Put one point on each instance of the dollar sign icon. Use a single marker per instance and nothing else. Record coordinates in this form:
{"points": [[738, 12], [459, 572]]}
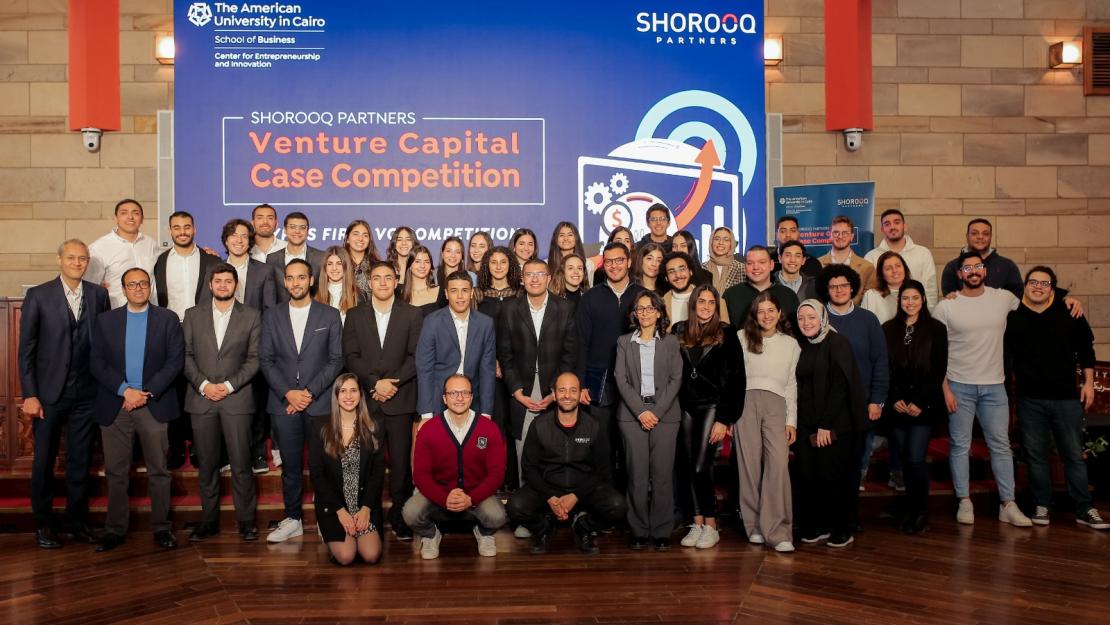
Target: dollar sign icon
{"points": [[617, 221]]}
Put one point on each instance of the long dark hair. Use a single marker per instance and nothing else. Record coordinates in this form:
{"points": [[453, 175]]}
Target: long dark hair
{"points": [[518, 235], [691, 244], [554, 254], [429, 280], [481, 234], [637, 271], [391, 252], [752, 331], [485, 278], [441, 273], [696, 332], [371, 253], [900, 315], [880, 279], [664, 321], [365, 427], [350, 289], [910, 347]]}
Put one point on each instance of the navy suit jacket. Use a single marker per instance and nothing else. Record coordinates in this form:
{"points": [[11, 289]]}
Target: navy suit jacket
{"points": [[313, 368], [44, 337], [162, 363], [437, 358]]}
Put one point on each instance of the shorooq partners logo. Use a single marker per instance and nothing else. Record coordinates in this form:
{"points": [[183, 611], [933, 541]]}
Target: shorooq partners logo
{"points": [[696, 28], [199, 13]]}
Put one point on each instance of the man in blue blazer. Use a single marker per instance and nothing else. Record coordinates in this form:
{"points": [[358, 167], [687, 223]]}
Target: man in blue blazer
{"points": [[138, 352], [301, 354], [454, 340], [55, 335]]}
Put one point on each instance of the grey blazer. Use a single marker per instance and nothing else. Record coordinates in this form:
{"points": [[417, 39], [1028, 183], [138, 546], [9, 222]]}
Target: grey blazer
{"points": [[668, 379], [236, 361]]}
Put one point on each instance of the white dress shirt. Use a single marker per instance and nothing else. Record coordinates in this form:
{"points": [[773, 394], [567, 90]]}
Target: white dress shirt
{"points": [[537, 313], [111, 255], [219, 322], [259, 255], [241, 283], [299, 318], [74, 297], [182, 275], [460, 431], [461, 326], [382, 319], [303, 255]]}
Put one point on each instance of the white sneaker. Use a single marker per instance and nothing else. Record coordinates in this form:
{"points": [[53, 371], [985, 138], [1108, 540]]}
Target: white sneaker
{"points": [[756, 539], [487, 546], [709, 538], [691, 537], [1012, 514], [784, 547], [276, 454], [288, 528], [225, 469], [522, 532], [965, 513], [429, 547]]}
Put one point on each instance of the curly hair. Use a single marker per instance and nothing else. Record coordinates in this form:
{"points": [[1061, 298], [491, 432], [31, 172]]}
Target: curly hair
{"points": [[485, 278], [836, 271]]}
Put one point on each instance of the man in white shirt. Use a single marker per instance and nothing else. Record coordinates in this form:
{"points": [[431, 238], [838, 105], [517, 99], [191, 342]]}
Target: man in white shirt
{"points": [[296, 236], [263, 239], [919, 260], [975, 385], [124, 247], [221, 359]]}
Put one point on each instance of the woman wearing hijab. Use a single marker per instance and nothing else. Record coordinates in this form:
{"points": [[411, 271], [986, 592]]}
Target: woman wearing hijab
{"points": [[831, 417], [723, 266]]}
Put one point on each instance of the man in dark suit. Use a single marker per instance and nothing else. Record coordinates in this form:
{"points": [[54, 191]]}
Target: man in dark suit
{"points": [[55, 335], [296, 233], [379, 346], [179, 284], [221, 359], [456, 339], [536, 341], [301, 354], [138, 351]]}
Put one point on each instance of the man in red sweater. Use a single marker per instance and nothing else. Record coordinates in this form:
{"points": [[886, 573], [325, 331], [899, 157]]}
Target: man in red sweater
{"points": [[458, 464]]}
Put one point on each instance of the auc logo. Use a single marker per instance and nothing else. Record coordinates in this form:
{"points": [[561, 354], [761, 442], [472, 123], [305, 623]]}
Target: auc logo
{"points": [[200, 13]]}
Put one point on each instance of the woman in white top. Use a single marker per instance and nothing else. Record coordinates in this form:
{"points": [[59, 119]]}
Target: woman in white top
{"points": [[338, 289], [891, 272], [420, 288], [767, 426]]}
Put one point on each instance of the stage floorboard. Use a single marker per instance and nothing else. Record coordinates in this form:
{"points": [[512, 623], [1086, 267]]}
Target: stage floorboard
{"points": [[986, 574]]}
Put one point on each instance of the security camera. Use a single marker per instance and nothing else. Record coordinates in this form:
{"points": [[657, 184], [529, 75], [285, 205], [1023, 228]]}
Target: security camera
{"points": [[91, 137], [853, 138]]}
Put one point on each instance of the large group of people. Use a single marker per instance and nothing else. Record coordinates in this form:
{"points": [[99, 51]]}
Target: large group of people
{"points": [[587, 392]]}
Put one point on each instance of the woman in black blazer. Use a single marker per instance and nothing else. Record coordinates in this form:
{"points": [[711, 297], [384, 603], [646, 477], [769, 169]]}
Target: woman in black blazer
{"points": [[711, 398], [345, 459], [918, 351]]}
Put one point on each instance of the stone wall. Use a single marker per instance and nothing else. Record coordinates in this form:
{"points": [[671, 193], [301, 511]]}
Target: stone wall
{"points": [[968, 122]]}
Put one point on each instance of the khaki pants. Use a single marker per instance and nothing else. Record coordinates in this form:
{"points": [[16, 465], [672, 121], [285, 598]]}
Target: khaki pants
{"points": [[764, 467]]}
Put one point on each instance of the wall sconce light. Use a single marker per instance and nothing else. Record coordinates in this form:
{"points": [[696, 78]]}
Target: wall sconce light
{"points": [[164, 48], [1065, 54], [772, 50]]}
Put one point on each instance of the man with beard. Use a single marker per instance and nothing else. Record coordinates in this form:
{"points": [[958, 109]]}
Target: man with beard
{"points": [[786, 229], [1002, 273], [758, 270], [179, 284], [679, 270], [122, 249], [264, 224], [296, 246], [975, 384]]}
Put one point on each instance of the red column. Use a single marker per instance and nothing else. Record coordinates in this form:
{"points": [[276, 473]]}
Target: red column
{"points": [[94, 64], [848, 64]]}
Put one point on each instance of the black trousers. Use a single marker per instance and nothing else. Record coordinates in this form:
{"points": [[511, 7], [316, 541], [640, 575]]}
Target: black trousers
{"points": [[826, 485], [604, 507], [697, 495], [180, 430], [73, 414], [396, 434], [607, 418], [261, 425]]}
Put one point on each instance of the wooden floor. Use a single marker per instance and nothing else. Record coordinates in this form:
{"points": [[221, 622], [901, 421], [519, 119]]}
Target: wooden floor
{"points": [[986, 574]]}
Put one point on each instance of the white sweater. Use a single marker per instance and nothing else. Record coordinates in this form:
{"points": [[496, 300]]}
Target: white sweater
{"points": [[773, 370]]}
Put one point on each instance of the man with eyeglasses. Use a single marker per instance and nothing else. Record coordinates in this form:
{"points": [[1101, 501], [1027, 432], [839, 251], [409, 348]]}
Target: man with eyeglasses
{"points": [[603, 315], [974, 387], [537, 339], [659, 222], [138, 351], [55, 337], [758, 268], [1002, 273], [786, 229], [1045, 345], [679, 271], [841, 234], [458, 463], [296, 229]]}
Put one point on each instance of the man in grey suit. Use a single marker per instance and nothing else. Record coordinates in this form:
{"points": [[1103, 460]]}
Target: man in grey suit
{"points": [[301, 355], [296, 233], [221, 358]]}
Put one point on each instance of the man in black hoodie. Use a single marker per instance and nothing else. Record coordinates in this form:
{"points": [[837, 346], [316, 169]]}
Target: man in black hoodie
{"points": [[566, 474]]}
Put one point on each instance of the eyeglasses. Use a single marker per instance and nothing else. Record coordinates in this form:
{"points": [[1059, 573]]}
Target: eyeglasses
{"points": [[970, 268], [614, 262], [839, 287], [1044, 284], [840, 235], [137, 284], [677, 271], [658, 220], [643, 310], [536, 274], [457, 394]]}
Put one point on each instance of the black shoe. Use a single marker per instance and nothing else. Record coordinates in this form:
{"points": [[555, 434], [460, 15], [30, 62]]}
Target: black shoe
{"points": [[662, 544], [47, 539], [248, 532], [915, 524], [260, 466], [639, 543], [542, 540], [401, 531], [840, 540], [814, 537], [108, 542], [202, 532], [165, 539], [82, 533], [584, 538]]}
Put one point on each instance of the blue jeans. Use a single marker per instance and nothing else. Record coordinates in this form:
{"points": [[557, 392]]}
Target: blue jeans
{"points": [[987, 402], [1063, 420]]}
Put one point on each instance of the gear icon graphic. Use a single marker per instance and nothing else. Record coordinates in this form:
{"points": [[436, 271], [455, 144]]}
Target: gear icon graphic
{"points": [[619, 183], [597, 197]]}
